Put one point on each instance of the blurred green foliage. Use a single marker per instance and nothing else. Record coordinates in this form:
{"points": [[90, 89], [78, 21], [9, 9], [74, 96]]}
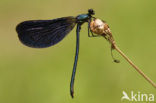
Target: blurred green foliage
{"points": [[29, 75]]}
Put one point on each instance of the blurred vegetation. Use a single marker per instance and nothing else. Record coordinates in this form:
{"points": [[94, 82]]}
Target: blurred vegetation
{"points": [[29, 75]]}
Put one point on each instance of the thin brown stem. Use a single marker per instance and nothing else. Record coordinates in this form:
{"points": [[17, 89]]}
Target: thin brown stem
{"points": [[131, 63], [95, 26]]}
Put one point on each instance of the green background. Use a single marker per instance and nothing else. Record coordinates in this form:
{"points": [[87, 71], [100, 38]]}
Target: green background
{"points": [[29, 75]]}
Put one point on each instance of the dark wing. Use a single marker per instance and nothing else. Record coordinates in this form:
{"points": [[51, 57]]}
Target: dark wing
{"points": [[44, 33]]}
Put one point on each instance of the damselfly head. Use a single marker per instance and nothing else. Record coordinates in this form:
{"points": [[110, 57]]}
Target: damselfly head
{"points": [[91, 12]]}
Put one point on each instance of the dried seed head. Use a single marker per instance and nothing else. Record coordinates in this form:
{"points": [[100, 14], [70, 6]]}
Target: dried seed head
{"points": [[97, 26]]}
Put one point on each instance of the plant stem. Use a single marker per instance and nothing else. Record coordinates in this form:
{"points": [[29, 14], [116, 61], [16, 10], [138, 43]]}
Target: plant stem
{"points": [[131, 63]]}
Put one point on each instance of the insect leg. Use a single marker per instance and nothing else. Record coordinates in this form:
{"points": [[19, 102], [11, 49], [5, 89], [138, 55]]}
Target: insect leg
{"points": [[89, 30]]}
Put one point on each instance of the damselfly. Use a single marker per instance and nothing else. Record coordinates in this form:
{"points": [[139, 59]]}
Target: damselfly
{"points": [[45, 33]]}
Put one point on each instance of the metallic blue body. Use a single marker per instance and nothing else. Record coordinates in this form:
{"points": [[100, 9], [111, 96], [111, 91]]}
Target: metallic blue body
{"points": [[75, 61], [82, 18]]}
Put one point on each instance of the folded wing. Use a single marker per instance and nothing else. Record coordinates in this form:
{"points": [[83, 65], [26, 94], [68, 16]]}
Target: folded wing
{"points": [[44, 33]]}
